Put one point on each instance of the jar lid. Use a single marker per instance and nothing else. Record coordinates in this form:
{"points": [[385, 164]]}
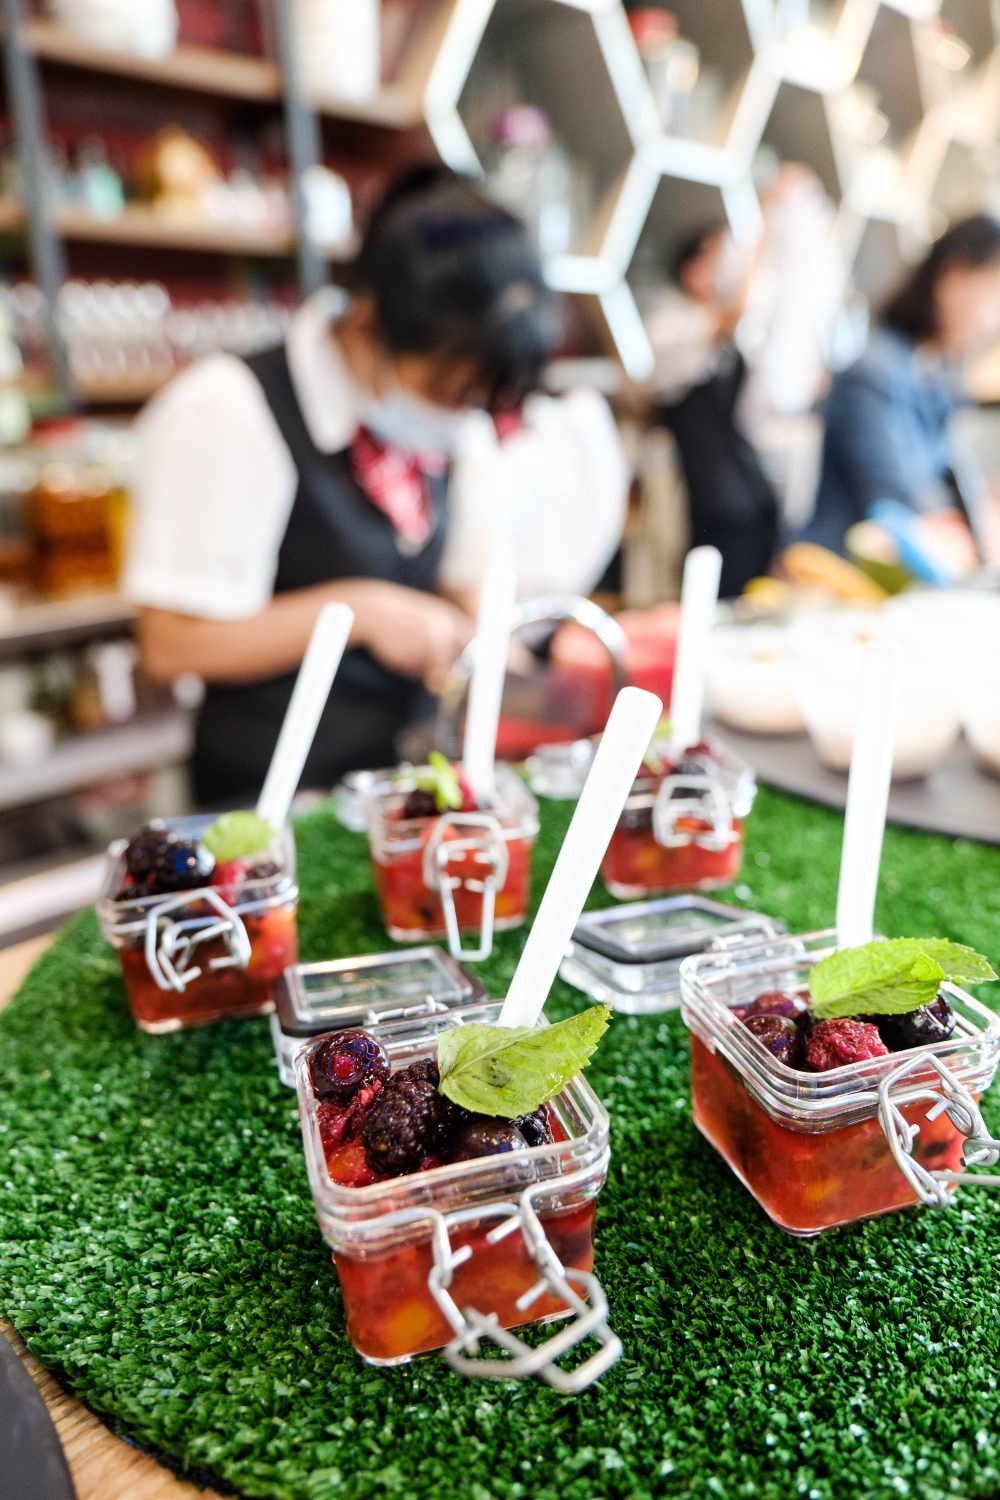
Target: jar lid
{"points": [[646, 932], [372, 988]]}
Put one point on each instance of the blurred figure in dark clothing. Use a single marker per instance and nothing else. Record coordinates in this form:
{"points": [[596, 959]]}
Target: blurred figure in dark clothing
{"points": [[698, 381]]}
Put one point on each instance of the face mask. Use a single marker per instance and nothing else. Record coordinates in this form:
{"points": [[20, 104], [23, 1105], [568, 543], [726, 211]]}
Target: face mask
{"points": [[405, 421]]}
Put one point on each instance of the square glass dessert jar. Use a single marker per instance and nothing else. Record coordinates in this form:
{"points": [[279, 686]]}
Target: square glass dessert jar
{"points": [[630, 956], [818, 1150], [682, 829], [313, 999], [211, 954], [465, 1251], [457, 872]]}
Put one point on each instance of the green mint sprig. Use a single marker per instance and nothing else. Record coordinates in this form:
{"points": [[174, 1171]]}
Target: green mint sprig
{"points": [[892, 977], [235, 834], [440, 779], [509, 1071]]}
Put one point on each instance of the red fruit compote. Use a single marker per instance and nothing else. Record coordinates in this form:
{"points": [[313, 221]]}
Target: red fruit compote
{"points": [[379, 1226], [413, 856], [682, 826], [808, 1144], [236, 974]]}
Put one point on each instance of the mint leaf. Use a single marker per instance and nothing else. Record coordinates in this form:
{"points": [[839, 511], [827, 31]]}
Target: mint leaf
{"points": [[236, 834], [441, 779], [890, 978], [509, 1071]]}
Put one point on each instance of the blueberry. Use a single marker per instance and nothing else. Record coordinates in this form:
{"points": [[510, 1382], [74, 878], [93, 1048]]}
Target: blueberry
{"points": [[486, 1136], [917, 1028], [780, 1035], [345, 1062], [183, 865], [536, 1127], [779, 1003]]}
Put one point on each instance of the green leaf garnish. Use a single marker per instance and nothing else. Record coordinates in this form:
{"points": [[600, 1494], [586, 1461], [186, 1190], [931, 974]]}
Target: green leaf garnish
{"points": [[237, 833], [442, 780], [509, 1071], [659, 747], [892, 977]]}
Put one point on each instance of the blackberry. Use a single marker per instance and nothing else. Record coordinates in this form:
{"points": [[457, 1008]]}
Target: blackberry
{"points": [[695, 762], [410, 1121], [536, 1127], [346, 1062], [486, 1136], [420, 804], [780, 1035], [917, 1028], [834, 1044], [144, 850], [183, 865]]}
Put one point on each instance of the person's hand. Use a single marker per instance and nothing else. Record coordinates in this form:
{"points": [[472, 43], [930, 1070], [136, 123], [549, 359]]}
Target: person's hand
{"points": [[415, 634]]}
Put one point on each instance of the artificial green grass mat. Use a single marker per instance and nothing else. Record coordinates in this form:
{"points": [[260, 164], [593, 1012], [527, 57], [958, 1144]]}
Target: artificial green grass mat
{"points": [[158, 1249]]}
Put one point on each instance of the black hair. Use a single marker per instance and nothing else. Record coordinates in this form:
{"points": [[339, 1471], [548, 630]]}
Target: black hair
{"points": [[694, 243], [970, 244], [451, 272]]}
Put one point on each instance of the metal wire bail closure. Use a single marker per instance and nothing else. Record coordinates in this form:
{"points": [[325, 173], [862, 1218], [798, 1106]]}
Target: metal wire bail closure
{"points": [[587, 1307], [170, 944], [946, 1096], [489, 849], [701, 797]]}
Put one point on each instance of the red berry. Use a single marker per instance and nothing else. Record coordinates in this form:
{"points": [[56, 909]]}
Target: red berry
{"points": [[834, 1044], [778, 1003], [780, 1035]]}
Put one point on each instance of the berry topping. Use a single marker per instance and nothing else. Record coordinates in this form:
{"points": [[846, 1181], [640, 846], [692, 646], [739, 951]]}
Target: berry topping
{"points": [[420, 804], [486, 1136], [695, 762], [834, 1044], [346, 1062], [410, 1121], [263, 869], [917, 1028], [780, 1035], [779, 1003], [143, 852], [183, 865], [536, 1127]]}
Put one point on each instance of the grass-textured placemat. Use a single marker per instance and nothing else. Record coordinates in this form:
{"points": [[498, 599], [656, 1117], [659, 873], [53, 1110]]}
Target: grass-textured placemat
{"points": [[158, 1249]]}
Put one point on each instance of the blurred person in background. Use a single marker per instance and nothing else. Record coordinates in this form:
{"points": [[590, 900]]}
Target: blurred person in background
{"points": [[887, 415], [356, 463], [696, 385]]}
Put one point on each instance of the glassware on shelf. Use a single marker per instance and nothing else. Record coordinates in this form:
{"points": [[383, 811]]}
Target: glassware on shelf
{"points": [[450, 1255], [530, 173], [682, 827], [311, 999], [210, 954], [630, 956], [818, 1150], [671, 64], [454, 872], [76, 512]]}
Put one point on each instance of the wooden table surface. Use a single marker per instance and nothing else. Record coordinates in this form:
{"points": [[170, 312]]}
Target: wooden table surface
{"points": [[103, 1466]]}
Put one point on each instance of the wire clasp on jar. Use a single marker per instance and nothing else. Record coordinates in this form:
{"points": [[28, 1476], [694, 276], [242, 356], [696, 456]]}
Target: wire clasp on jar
{"points": [[947, 1096], [170, 944], [579, 1291], [489, 851], [702, 799]]}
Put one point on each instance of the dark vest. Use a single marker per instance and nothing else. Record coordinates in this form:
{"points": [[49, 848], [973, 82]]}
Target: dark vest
{"points": [[334, 531]]}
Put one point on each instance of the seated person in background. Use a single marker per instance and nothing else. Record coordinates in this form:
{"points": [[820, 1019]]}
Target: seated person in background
{"points": [[887, 415], [696, 385]]}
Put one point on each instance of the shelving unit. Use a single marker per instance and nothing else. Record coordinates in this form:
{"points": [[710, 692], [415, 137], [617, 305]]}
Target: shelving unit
{"points": [[54, 623]]}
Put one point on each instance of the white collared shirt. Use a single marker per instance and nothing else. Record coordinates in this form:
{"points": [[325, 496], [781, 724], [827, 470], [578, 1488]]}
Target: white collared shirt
{"points": [[214, 482]]}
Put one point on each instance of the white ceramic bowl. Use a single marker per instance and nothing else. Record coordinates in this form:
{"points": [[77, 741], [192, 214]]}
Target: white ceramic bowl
{"points": [[751, 680]]}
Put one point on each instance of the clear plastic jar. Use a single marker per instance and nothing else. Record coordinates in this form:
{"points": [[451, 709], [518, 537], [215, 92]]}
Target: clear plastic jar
{"points": [[212, 954], [681, 832], [630, 956], [818, 1150], [413, 1251], [459, 872]]}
